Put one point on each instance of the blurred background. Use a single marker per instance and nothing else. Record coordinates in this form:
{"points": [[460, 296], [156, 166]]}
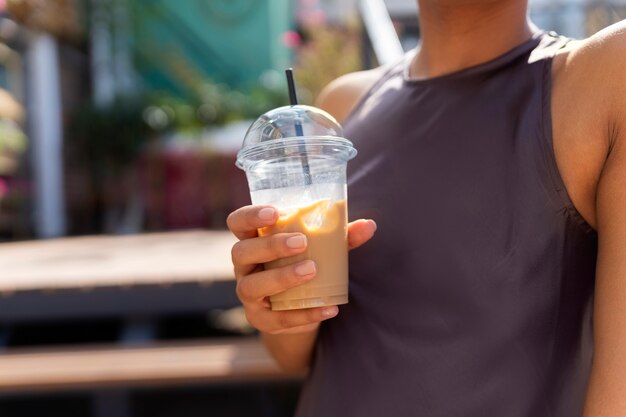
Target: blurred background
{"points": [[123, 117]]}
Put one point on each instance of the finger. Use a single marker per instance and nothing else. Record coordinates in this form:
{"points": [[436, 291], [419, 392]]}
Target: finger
{"points": [[265, 249], [277, 322], [253, 288], [359, 232], [245, 221], [241, 271]]}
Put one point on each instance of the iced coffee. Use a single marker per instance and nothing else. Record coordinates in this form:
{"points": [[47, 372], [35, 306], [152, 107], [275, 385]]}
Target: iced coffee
{"points": [[324, 224], [295, 160]]}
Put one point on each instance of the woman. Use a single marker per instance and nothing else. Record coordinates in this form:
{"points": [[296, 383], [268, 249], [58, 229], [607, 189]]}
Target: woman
{"points": [[493, 163]]}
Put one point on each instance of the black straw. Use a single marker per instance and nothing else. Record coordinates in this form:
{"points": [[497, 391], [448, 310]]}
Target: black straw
{"points": [[293, 99]]}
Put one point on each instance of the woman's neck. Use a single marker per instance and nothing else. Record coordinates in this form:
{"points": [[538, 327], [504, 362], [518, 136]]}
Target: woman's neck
{"points": [[458, 34]]}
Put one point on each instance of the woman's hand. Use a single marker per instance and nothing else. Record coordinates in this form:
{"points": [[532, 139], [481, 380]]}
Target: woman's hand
{"points": [[255, 285]]}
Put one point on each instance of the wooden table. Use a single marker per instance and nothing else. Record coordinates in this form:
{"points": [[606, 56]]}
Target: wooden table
{"points": [[105, 261], [87, 276]]}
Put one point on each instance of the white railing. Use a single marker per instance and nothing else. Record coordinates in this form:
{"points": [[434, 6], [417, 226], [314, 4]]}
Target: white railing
{"points": [[46, 135], [379, 27]]}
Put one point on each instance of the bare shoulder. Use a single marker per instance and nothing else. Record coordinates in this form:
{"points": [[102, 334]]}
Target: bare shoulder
{"points": [[598, 62], [610, 40], [589, 76], [342, 95]]}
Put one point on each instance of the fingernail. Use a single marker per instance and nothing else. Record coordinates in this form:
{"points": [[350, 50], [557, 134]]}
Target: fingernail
{"points": [[373, 223], [305, 268], [330, 311], [296, 242], [266, 213]]}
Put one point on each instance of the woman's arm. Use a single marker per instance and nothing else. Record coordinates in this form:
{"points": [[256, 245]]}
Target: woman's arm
{"points": [[606, 395]]}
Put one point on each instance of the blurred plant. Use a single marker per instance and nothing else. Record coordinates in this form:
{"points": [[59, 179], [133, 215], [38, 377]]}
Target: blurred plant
{"points": [[110, 138], [12, 138], [103, 146], [12, 144], [327, 53], [213, 105]]}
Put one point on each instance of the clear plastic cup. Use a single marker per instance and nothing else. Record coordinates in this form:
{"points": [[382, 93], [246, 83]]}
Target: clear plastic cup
{"points": [[295, 159]]}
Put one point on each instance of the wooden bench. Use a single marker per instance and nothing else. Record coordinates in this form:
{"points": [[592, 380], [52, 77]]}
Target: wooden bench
{"points": [[109, 372], [213, 361]]}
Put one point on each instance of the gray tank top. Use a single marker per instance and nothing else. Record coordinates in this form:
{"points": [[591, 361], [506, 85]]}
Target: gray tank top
{"points": [[474, 298]]}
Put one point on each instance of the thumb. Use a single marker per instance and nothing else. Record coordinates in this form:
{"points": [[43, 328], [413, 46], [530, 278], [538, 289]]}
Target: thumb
{"points": [[360, 231]]}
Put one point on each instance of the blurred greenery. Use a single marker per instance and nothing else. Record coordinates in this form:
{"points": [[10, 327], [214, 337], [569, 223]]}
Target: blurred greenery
{"points": [[214, 105], [108, 138], [12, 143], [329, 52], [111, 137], [115, 153], [12, 139]]}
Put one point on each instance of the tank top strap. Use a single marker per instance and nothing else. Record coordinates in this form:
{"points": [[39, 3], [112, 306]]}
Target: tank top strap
{"points": [[388, 71], [548, 47]]}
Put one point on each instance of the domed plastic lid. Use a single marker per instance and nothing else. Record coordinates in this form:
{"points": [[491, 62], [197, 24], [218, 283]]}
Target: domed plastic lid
{"points": [[287, 129]]}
